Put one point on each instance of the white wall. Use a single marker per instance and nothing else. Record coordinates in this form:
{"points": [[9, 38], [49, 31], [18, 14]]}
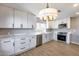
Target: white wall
{"points": [[75, 30]]}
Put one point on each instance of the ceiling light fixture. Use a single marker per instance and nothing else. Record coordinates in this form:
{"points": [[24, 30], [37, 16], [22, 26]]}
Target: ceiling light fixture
{"points": [[48, 14], [75, 5]]}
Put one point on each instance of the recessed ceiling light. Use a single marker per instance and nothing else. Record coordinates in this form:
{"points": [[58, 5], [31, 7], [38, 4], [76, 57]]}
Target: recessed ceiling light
{"points": [[75, 5], [77, 13]]}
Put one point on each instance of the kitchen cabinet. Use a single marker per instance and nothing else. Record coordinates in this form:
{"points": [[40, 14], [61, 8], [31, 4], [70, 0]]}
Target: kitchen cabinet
{"points": [[20, 19], [6, 17], [55, 35], [55, 24], [47, 37], [32, 42], [31, 20], [7, 47], [21, 44], [44, 38], [13, 18], [50, 36], [16, 44]]}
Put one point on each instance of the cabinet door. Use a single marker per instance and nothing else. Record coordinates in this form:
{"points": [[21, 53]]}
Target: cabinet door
{"points": [[7, 47], [21, 44], [17, 19], [31, 20], [24, 20], [34, 21], [6, 17], [51, 36], [55, 35], [32, 42], [54, 24], [45, 38], [20, 19]]}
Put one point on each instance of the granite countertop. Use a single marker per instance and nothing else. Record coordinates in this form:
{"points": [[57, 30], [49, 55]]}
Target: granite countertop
{"points": [[22, 34]]}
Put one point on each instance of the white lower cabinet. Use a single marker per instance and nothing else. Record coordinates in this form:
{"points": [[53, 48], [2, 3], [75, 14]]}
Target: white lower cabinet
{"points": [[24, 43], [50, 36], [21, 44], [6, 47], [32, 42], [47, 37], [55, 36], [16, 45]]}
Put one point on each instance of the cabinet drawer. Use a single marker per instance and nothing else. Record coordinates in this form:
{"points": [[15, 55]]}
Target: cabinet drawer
{"points": [[17, 44], [22, 42], [20, 39], [21, 49], [6, 41]]}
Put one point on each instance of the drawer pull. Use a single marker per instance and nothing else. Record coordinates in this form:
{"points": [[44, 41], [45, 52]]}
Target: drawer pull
{"points": [[13, 25], [23, 42], [32, 37], [30, 40], [21, 25], [23, 48], [6, 41], [23, 39]]}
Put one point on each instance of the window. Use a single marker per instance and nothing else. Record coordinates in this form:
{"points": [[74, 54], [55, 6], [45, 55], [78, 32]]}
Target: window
{"points": [[41, 27]]}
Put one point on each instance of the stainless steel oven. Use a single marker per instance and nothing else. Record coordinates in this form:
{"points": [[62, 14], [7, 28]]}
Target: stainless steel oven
{"points": [[62, 36]]}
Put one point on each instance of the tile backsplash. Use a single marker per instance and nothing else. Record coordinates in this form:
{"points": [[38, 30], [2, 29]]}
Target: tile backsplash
{"points": [[15, 31]]}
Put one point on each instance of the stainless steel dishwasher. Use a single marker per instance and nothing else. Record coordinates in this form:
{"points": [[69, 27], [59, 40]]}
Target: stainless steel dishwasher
{"points": [[39, 40]]}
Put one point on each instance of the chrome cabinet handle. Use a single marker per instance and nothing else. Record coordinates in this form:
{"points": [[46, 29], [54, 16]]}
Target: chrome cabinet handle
{"points": [[21, 25], [13, 25], [23, 39], [30, 40], [23, 42], [6, 41], [13, 44], [32, 37], [23, 48]]}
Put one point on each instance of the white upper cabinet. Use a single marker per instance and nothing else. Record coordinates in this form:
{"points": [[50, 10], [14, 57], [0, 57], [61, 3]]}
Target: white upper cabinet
{"points": [[12, 18], [54, 24], [31, 20], [20, 19], [6, 17]]}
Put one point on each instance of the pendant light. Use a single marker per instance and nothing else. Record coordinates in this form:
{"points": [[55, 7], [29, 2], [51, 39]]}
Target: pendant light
{"points": [[48, 14]]}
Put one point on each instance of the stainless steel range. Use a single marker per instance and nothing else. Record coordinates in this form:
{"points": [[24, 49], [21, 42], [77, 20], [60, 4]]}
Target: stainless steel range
{"points": [[62, 36]]}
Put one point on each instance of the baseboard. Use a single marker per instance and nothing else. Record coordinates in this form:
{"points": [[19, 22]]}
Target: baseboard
{"points": [[75, 43]]}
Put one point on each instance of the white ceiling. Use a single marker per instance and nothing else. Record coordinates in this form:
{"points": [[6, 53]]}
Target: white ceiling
{"points": [[67, 9]]}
